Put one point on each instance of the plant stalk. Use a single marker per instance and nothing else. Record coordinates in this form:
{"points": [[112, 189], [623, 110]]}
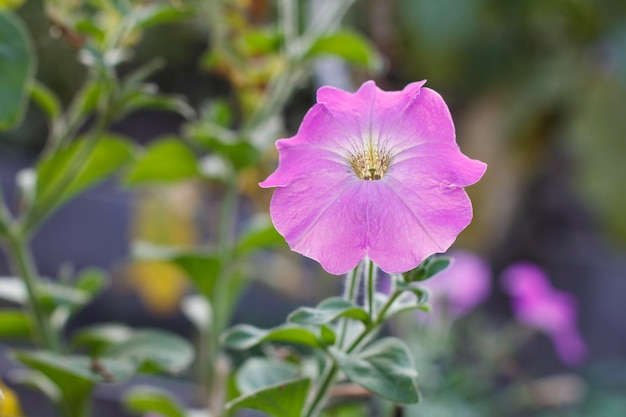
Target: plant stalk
{"points": [[24, 266]]}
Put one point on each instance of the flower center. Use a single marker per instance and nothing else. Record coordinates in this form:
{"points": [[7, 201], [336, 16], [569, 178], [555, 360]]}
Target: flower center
{"points": [[371, 163]]}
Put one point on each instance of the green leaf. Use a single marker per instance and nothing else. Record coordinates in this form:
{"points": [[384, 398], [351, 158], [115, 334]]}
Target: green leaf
{"points": [[14, 324], [46, 99], [96, 338], [38, 381], [224, 142], [153, 350], [285, 399], [327, 335], [259, 373], [157, 14], [12, 289], [328, 311], [146, 98], [98, 163], [349, 45], [261, 235], [51, 294], [202, 268], [244, 336], [75, 376], [146, 400], [92, 281], [167, 160], [17, 66], [385, 368], [430, 267], [86, 101]]}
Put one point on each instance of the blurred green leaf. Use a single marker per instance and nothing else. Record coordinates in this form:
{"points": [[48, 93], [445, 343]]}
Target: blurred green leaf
{"points": [[96, 339], [285, 399], [92, 281], [38, 381], [86, 101], [262, 234], [158, 14], [46, 99], [14, 324], [385, 368], [12, 289], [327, 335], [430, 267], [51, 294], [17, 66], [101, 160], [167, 160], [153, 350], [224, 142], [260, 373], [349, 45], [328, 311], [202, 268], [147, 97], [75, 376], [146, 400], [11, 5], [262, 41], [244, 336]]}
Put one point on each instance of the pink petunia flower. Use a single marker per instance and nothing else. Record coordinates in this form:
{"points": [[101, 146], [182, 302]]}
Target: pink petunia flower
{"points": [[373, 174], [463, 285], [537, 304]]}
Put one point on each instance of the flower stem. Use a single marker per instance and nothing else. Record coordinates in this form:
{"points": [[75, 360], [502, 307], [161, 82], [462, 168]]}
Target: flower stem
{"points": [[327, 379], [220, 302], [23, 266], [350, 292], [371, 289]]}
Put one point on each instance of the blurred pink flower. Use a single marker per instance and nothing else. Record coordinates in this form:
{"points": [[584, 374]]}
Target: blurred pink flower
{"points": [[537, 304], [463, 285], [376, 174]]}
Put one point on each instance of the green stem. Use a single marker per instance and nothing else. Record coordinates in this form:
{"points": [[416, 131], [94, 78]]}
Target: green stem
{"points": [[23, 266], [371, 289], [5, 216], [350, 292], [220, 301], [327, 378]]}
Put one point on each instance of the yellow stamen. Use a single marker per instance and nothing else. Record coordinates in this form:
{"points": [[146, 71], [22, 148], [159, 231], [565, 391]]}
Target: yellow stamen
{"points": [[371, 163]]}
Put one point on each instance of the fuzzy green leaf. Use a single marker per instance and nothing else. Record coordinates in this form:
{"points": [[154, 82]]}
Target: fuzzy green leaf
{"points": [[285, 399], [17, 69], [153, 350], [244, 336], [259, 373], [328, 311], [385, 368]]}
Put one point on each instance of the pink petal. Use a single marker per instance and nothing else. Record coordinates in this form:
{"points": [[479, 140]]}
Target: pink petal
{"points": [[323, 219]]}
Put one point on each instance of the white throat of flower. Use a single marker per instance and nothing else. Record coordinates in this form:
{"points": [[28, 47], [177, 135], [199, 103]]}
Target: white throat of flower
{"points": [[370, 163]]}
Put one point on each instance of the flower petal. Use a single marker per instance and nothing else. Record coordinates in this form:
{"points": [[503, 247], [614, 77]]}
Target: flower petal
{"points": [[323, 218], [440, 164], [405, 226]]}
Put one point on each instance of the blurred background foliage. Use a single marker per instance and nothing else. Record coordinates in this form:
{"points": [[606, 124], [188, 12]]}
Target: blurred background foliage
{"points": [[537, 89]]}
